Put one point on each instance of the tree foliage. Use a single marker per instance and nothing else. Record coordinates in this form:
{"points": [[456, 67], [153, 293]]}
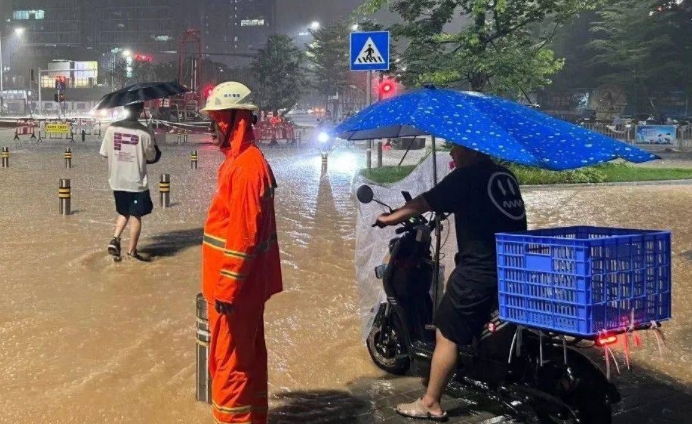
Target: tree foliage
{"points": [[328, 56], [500, 47], [279, 72], [643, 45]]}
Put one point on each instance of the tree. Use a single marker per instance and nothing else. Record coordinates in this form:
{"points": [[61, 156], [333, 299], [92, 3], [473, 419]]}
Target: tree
{"points": [[643, 46], [329, 55], [166, 71], [500, 46], [118, 74], [279, 73], [142, 71]]}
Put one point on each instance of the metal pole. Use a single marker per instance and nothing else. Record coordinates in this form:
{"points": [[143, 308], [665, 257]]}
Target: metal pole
{"points": [[193, 159], [5, 157], [65, 196], [368, 90], [325, 158], [165, 190], [438, 231], [203, 386], [68, 158], [368, 102], [379, 153], [40, 103]]}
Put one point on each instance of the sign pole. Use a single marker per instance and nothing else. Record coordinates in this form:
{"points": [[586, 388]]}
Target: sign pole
{"points": [[368, 102], [369, 52], [368, 90]]}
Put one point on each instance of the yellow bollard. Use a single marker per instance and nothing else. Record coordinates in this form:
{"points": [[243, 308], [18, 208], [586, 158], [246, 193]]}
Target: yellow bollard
{"points": [[193, 159], [165, 190], [65, 196], [68, 158], [5, 155]]}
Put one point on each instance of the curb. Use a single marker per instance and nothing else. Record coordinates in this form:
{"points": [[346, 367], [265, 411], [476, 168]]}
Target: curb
{"points": [[611, 184]]}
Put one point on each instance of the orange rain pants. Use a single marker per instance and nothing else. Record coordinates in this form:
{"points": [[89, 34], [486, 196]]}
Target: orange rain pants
{"points": [[240, 266]]}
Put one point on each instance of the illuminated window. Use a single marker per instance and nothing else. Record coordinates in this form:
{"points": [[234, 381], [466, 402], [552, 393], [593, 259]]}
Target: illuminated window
{"points": [[252, 22], [24, 15]]}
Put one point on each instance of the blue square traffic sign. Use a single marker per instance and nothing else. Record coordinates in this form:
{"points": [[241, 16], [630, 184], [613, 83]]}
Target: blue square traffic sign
{"points": [[370, 51]]}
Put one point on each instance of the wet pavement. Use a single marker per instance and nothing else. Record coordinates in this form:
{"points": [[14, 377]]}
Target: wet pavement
{"points": [[85, 340]]}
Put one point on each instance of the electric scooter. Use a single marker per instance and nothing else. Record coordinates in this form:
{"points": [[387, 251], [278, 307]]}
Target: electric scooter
{"points": [[535, 374]]}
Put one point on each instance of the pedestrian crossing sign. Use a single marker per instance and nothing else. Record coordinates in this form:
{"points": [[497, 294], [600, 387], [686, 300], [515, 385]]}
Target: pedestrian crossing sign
{"points": [[370, 51]]}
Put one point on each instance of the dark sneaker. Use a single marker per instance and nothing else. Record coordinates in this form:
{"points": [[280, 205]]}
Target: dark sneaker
{"points": [[114, 247], [136, 256]]}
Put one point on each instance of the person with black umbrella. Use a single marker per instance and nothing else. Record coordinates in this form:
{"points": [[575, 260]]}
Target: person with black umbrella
{"points": [[129, 146]]}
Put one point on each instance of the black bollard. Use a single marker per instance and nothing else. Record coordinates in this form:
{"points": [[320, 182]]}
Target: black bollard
{"points": [[65, 197], [68, 158], [5, 155], [193, 159], [83, 135], [165, 190], [203, 388]]}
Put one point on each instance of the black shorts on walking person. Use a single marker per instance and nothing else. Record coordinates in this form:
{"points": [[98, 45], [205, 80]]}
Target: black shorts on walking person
{"points": [[129, 203]]}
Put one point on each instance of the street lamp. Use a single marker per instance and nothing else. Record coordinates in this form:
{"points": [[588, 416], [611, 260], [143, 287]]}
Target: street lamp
{"points": [[354, 27], [17, 31], [315, 25]]}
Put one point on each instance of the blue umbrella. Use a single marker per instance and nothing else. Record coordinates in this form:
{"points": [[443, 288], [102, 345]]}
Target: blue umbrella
{"points": [[491, 125]]}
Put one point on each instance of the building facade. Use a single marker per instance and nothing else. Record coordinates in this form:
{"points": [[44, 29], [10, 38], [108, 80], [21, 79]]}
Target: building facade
{"points": [[103, 31], [233, 30]]}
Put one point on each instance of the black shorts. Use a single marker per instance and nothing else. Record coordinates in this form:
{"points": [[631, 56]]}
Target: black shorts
{"points": [[464, 310], [137, 204]]}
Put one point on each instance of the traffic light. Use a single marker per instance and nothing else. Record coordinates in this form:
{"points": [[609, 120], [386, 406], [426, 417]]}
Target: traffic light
{"points": [[60, 83], [387, 89]]}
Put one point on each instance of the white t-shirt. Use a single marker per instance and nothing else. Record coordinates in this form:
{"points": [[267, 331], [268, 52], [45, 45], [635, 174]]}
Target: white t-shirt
{"points": [[128, 146]]}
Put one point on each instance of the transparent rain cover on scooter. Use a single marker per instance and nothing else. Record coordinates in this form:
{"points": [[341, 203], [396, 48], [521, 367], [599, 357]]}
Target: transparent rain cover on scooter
{"points": [[372, 244]]}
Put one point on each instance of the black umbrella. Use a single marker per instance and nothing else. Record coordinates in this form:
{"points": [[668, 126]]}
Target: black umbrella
{"points": [[141, 92]]}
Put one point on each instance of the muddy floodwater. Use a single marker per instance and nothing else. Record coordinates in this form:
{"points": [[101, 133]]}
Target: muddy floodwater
{"points": [[86, 340]]}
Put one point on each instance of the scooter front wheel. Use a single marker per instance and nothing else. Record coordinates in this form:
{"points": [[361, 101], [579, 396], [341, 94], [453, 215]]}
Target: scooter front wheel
{"points": [[386, 344]]}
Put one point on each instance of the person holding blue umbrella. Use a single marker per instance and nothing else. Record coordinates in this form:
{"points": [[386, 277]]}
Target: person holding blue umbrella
{"points": [[484, 196], [485, 199]]}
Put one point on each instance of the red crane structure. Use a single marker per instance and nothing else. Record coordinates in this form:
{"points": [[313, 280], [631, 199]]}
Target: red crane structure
{"points": [[191, 36]]}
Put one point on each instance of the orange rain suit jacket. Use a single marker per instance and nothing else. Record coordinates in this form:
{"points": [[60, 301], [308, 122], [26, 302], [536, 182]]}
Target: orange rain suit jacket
{"points": [[240, 252]]}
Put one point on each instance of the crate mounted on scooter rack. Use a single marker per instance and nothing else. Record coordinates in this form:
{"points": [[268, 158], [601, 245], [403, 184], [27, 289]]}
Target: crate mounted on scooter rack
{"points": [[584, 280]]}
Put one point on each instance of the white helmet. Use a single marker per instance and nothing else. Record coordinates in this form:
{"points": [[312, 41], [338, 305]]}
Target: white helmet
{"points": [[229, 95]]}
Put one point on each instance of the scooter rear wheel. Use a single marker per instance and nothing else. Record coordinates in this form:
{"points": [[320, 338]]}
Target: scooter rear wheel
{"points": [[386, 345]]}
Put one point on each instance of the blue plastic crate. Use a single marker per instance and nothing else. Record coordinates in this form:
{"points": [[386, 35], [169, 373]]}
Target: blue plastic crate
{"points": [[584, 280]]}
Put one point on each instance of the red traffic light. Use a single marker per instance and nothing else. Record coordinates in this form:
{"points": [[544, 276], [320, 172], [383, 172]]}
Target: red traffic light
{"points": [[387, 89]]}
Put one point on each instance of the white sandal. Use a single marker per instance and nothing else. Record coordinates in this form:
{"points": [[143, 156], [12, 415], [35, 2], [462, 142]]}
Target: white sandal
{"points": [[417, 410]]}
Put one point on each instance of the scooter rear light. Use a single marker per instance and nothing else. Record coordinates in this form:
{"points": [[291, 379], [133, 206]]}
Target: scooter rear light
{"points": [[606, 340]]}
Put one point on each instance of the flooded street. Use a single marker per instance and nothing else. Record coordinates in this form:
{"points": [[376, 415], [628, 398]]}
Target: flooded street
{"points": [[86, 340]]}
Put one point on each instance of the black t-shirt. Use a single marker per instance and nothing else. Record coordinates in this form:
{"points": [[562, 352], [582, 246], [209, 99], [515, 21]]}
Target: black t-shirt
{"points": [[485, 200]]}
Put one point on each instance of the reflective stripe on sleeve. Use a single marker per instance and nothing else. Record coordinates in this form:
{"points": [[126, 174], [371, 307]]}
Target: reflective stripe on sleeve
{"points": [[214, 242]]}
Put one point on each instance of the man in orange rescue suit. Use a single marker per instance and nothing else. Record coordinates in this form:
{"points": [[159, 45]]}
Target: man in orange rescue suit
{"points": [[241, 266]]}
